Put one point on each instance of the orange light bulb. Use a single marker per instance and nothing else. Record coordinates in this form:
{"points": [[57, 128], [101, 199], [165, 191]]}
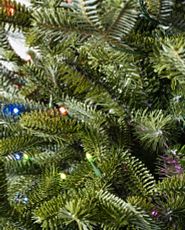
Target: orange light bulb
{"points": [[69, 1], [63, 111], [10, 11]]}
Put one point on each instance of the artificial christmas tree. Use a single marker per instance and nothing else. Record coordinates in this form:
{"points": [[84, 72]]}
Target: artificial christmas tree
{"points": [[92, 116]]}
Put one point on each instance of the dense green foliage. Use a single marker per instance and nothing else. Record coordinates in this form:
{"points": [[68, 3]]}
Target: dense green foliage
{"points": [[113, 158]]}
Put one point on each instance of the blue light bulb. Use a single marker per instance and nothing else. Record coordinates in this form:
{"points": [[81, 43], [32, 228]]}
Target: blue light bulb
{"points": [[18, 155], [13, 110], [21, 198], [16, 111], [25, 200]]}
